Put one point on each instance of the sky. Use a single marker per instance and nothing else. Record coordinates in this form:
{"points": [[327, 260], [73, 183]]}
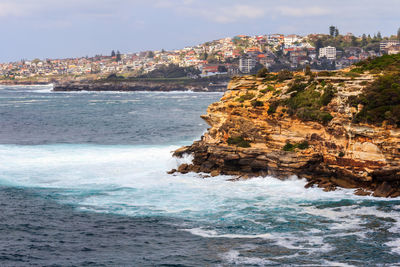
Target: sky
{"points": [[74, 28]]}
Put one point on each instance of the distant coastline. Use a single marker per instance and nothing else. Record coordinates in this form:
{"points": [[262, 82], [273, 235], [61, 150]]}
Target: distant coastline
{"points": [[161, 85]]}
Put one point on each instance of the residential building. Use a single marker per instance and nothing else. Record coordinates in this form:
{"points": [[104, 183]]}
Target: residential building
{"points": [[388, 43], [328, 52], [246, 64], [394, 49], [289, 40]]}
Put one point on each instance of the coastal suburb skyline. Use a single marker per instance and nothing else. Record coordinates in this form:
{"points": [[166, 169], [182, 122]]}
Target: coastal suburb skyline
{"points": [[76, 28]]}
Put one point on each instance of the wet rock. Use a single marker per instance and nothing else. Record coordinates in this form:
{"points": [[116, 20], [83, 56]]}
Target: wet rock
{"points": [[384, 190], [362, 192], [215, 173], [172, 171], [184, 168], [310, 184]]}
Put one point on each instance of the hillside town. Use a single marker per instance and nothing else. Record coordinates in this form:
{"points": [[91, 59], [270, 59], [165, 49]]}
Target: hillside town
{"points": [[228, 56]]}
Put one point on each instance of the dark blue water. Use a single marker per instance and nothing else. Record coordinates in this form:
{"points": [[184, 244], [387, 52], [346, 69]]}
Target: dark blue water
{"points": [[83, 182]]}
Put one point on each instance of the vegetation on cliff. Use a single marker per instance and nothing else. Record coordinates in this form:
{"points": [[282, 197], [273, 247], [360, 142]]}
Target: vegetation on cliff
{"points": [[238, 141], [307, 103], [384, 63], [381, 98], [381, 101]]}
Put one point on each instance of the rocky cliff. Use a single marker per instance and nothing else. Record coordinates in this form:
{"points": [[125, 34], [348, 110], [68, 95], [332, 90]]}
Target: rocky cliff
{"points": [[295, 124]]}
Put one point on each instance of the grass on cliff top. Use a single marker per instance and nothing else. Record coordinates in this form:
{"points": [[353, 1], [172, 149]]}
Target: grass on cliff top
{"points": [[381, 101], [306, 102], [383, 63]]}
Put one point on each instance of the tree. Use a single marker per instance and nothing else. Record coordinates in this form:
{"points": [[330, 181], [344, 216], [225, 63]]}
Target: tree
{"points": [[354, 41], [222, 69], [379, 36], [336, 32], [332, 30], [118, 56], [113, 53], [150, 54], [398, 34], [364, 41], [318, 45]]}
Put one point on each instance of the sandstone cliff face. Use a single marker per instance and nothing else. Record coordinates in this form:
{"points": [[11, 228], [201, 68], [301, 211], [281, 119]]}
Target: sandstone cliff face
{"points": [[332, 153]]}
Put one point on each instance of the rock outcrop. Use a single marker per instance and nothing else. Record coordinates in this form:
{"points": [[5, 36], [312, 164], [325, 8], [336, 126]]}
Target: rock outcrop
{"points": [[259, 128], [135, 86]]}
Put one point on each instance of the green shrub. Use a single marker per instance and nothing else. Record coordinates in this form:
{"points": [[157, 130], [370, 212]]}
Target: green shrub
{"points": [[329, 93], [303, 145], [247, 96], [352, 74], [257, 103], [307, 104], [272, 107], [325, 117], [238, 141], [381, 101], [341, 154], [291, 147], [297, 87], [269, 88], [284, 75], [288, 147], [383, 63], [262, 73]]}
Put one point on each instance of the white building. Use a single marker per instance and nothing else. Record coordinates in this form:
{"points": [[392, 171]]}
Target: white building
{"points": [[247, 64], [388, 43], [329, 52], [289, 40]]}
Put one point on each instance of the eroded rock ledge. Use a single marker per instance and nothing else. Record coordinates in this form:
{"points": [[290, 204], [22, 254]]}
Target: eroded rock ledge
{"points": [[251, 135]]}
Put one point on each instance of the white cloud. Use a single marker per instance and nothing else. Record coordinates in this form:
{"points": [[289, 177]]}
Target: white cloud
{"points": [[238, 12], [302, 11], [12, 9], [226, 14]]}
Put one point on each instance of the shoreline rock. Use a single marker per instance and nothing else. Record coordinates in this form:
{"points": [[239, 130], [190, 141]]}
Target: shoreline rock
{"points": [[335, 154], [135, 86]]}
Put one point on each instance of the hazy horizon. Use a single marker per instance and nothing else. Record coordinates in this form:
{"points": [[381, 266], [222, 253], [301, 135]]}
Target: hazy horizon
{"points": [[49, 29]]}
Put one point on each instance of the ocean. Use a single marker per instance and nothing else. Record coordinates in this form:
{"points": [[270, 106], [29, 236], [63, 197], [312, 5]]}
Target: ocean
{"points": [[83, 182]]}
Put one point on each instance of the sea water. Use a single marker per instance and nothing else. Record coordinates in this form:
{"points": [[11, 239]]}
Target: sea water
{"points": [[83, 182]]}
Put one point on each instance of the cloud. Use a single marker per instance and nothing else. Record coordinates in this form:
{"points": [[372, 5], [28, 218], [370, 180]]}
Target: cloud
{"points": [[237, 12], [220, 14], [12, 9], [302, 11]]}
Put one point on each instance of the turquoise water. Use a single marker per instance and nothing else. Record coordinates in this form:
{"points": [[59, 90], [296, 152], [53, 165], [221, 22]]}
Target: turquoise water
{"points": [[83, 182]]}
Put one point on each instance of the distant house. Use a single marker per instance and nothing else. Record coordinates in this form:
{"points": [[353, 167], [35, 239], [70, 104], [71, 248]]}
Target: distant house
{"points": [[394, 49], [289, 40], [384, 45], [328, 52], [353, 59]]}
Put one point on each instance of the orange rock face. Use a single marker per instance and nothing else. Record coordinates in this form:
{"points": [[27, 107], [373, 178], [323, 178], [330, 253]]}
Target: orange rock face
{"points": [[336, 153]]}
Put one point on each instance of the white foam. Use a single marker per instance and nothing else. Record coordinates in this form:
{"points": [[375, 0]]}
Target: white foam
{"points": [[47, 88], [234, 257], [214, 234], [132, 180]]}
